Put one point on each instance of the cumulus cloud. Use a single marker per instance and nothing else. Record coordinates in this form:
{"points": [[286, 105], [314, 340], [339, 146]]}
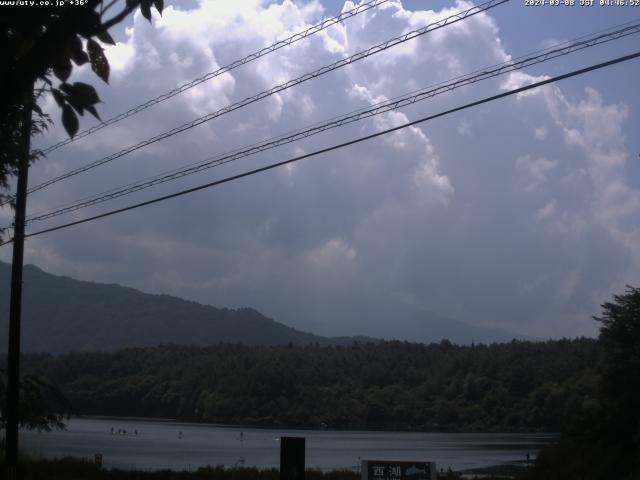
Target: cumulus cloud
{"points": [[516, 215], [332, 253]]}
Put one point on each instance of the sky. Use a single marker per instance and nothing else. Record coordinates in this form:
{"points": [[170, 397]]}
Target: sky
{"points": [[522, 214]]}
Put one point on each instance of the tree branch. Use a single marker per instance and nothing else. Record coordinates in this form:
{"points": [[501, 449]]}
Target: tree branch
{"points": [[117, 19], [104, 9]]}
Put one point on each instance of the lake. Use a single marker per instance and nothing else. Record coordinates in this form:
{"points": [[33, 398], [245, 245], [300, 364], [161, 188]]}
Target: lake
{"points": [[161, 444]]}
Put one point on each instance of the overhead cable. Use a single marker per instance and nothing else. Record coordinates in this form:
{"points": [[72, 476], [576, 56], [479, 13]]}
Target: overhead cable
{"points": [[379, 108], [363, 7], [308, 76], [339, 146]]}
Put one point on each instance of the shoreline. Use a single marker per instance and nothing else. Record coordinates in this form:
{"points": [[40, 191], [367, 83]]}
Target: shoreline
{"points": [[328, 428], [176, 445]]}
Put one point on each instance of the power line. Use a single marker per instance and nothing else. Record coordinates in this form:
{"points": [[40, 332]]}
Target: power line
{"points": [[227, 68], [561, 48], [382, 107], [341, 145], [308, 76]]}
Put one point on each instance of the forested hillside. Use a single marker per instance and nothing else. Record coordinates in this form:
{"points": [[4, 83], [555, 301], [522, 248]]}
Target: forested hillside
{"points": [[61, 314], [392, 385]]}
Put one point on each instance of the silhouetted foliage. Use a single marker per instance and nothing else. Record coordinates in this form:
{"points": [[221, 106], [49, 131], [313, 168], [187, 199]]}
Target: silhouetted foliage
{"points": [[602, 440], [75, 469], [43, 407], [40, 44]]}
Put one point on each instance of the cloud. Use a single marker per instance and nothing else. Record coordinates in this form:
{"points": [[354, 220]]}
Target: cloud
{"points": [[536, 167], [518, 214], [464, 128], [546, 212], [332, 253], [541, 133], [518, 79], [121, 57]]}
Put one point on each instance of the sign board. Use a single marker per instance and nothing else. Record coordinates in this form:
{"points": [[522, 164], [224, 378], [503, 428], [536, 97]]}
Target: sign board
{"points": [[292, 458], [398, 470]]}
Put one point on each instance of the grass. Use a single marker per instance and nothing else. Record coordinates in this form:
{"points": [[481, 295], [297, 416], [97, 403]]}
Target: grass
{"points": [[77, 469]]}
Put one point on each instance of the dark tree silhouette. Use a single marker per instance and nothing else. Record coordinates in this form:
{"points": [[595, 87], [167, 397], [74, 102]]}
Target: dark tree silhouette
{"points": [[40, 45], [43, 405], [602, 440], [620, 338]]}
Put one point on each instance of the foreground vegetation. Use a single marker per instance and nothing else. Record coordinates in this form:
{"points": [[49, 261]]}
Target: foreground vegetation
{"points": [[602, 441], [519, 386], [75, 469]]}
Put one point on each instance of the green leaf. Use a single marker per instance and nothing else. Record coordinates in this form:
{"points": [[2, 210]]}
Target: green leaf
{"points": [[63, 69], [80, 58], [66, 88], [77, 105], [99, 63], [159, 5], [86, 93], [78, 55], [81, 96], [92, 110], [89, 22], [104, 37], [145, 8], [58, 97], [69, 120]]}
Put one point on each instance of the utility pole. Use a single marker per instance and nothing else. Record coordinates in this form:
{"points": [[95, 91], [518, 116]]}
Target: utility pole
{"points": [[15, 308]]}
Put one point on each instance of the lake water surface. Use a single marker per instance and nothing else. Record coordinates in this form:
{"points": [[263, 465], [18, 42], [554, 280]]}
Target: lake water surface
{"points": [[187, 446]]}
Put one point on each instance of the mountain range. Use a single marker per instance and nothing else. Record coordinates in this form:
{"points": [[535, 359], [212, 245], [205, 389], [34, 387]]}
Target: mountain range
{"points": [[61, 314]]}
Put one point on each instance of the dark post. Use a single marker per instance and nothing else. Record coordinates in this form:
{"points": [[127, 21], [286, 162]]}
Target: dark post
{"points": [[291, 458], [15, 307]]}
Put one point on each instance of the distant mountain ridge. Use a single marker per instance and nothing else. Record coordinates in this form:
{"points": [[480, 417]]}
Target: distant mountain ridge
{"points": [[61, 314]]}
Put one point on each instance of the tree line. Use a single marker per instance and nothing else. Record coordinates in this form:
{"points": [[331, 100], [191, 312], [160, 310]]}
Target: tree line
{"points": [[517, 386]]}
